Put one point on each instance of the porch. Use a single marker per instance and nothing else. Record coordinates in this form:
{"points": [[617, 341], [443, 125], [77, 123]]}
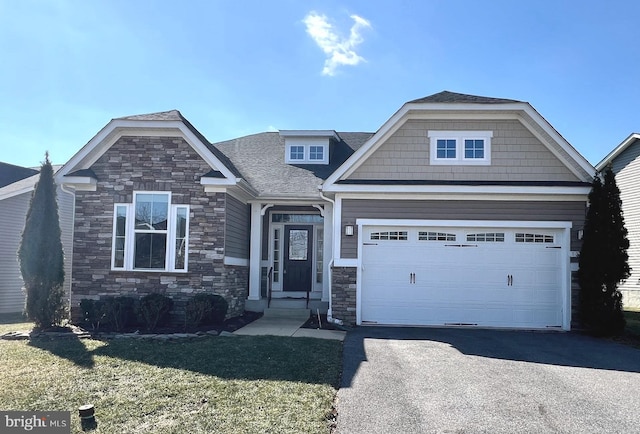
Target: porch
{"points": [[290, 250]]}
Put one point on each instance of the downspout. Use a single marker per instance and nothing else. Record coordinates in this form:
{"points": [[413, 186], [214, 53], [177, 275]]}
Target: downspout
{"points": [[330, 317], [73, 231]]}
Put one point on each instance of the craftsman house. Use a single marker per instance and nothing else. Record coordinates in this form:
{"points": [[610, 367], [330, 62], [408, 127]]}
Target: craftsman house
{"points": [[459, 210]]}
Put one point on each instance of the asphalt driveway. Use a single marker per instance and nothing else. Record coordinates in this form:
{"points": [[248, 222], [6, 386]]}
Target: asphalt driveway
{"points": [[427, 380]]}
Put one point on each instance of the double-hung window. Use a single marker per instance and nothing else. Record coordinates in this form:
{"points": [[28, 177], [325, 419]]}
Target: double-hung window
{"points": [[460, 147], [150, 234]]}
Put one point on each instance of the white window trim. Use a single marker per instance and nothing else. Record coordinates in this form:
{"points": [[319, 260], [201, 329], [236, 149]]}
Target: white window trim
{"points": [[459, 137], [307, 153], [129, 247]]}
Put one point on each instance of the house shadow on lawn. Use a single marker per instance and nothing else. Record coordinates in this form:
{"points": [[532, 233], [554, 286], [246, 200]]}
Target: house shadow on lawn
{"points": [[552, 348], [315, 361], [71, 348]]}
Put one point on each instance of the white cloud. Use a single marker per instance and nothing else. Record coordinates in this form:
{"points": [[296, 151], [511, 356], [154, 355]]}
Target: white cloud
{"points": [[339, 50]]}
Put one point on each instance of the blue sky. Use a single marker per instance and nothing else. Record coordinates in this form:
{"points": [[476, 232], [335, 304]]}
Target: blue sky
{"points": [[240, 67]]}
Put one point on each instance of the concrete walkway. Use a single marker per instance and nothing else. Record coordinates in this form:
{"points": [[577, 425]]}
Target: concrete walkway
{"points": [[287, 322]]}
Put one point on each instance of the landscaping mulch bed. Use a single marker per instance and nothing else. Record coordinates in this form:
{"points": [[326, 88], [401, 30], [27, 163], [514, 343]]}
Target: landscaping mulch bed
{"points": [[229, 325]]}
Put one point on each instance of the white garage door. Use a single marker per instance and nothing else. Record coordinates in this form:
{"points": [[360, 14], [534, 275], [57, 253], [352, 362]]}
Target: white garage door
{"points": [[461, 276]]}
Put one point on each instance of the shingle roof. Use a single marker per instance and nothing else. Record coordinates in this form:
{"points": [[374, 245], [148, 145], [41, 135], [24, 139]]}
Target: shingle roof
{"points": [[10, 173], [170, 115], [452, 97], [261, 160]]}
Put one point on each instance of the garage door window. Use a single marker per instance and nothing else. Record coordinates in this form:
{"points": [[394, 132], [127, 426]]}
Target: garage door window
{"points": [[436, 236], [533, 238], [389, 235], [490, 237]]}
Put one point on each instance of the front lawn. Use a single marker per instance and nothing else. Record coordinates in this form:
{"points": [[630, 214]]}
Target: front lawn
{"points": [[241, 384]]}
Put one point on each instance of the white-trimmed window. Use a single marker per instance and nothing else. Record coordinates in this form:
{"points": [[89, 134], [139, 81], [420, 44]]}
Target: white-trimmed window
{"points": [[488, 237], [533, 238], [460, 147], [307, 153], [296, 153], [389, 235], [436, 236], [150, 234]]}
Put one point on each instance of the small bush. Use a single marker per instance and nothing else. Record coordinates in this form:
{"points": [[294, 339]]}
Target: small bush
{"points": [[220, 307], [205, 309], [154, 310], [93, 313], [119, 311]]}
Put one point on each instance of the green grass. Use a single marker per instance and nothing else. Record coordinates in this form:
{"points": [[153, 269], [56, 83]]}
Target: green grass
{"points": [[242, 384]]}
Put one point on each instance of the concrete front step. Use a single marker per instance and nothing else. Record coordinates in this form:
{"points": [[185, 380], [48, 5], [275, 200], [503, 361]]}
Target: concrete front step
{"points": [[281, 312], [287, 303]]}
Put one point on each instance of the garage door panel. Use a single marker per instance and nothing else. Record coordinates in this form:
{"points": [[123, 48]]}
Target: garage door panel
{"points": [[501, 284]]}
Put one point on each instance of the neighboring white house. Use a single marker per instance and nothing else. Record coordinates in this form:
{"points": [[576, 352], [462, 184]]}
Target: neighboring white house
{"points": [[16, 187], [625, 163]]}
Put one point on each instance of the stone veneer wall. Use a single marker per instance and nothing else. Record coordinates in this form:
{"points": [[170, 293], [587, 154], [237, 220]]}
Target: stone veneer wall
{"points": [[153, 164], [343, 294]]}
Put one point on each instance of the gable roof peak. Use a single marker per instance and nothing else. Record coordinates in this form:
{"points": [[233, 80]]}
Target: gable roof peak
{"points": [[452, 97], [169, 115]]}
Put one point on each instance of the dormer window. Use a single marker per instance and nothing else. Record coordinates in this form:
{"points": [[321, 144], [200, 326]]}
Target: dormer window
{"points": [[460, 147], [296, 153], [308, 147]]}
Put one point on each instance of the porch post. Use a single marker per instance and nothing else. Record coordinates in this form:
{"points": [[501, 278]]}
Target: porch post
{"points": [[255, 252]]}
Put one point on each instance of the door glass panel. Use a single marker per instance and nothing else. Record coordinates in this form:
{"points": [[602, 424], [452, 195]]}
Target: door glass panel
{"points": [[298, 245], [319, 254], [276, 255]]}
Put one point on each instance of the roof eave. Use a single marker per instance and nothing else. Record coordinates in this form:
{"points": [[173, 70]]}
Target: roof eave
{"points": [[617, 151]]}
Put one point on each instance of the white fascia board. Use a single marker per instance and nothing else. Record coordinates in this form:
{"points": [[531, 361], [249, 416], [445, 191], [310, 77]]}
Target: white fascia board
{"points": [[19, 187], [566, 146], [83, 183], [352, 163], [217, 181], [509, 224], [289, 202], [115, 129], [458, 189], [331, 134], [7, 193], [617, 151]]}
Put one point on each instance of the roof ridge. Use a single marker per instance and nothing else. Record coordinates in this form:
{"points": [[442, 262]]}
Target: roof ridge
{"points": [[166, 115], [453, 97]]}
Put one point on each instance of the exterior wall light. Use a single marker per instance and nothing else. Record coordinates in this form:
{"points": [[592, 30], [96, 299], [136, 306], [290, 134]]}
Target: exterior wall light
{"points": [[348, 230]]}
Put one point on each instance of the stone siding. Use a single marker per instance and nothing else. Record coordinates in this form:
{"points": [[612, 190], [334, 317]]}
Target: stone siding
{"points": [[343, 294], [153, 164]]}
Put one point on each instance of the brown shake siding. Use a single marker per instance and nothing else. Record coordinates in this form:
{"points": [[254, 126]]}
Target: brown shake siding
{"points": [[153, 164]]}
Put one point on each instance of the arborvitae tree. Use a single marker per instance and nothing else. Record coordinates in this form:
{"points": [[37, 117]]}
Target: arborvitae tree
{"points": [[40, 254], [603, 261]]}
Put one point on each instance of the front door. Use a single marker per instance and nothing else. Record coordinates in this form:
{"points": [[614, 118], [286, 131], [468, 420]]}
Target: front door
{"points": [[297, 258]]}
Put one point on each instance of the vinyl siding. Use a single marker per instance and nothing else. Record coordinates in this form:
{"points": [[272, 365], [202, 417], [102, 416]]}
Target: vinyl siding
{"points": [[353, 209], [626, 166], [237, 229], [13, 213], [516, 155]]}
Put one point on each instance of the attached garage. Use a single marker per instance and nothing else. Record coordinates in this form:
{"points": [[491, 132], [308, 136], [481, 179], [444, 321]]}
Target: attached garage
{"points": [[474, 273]]}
